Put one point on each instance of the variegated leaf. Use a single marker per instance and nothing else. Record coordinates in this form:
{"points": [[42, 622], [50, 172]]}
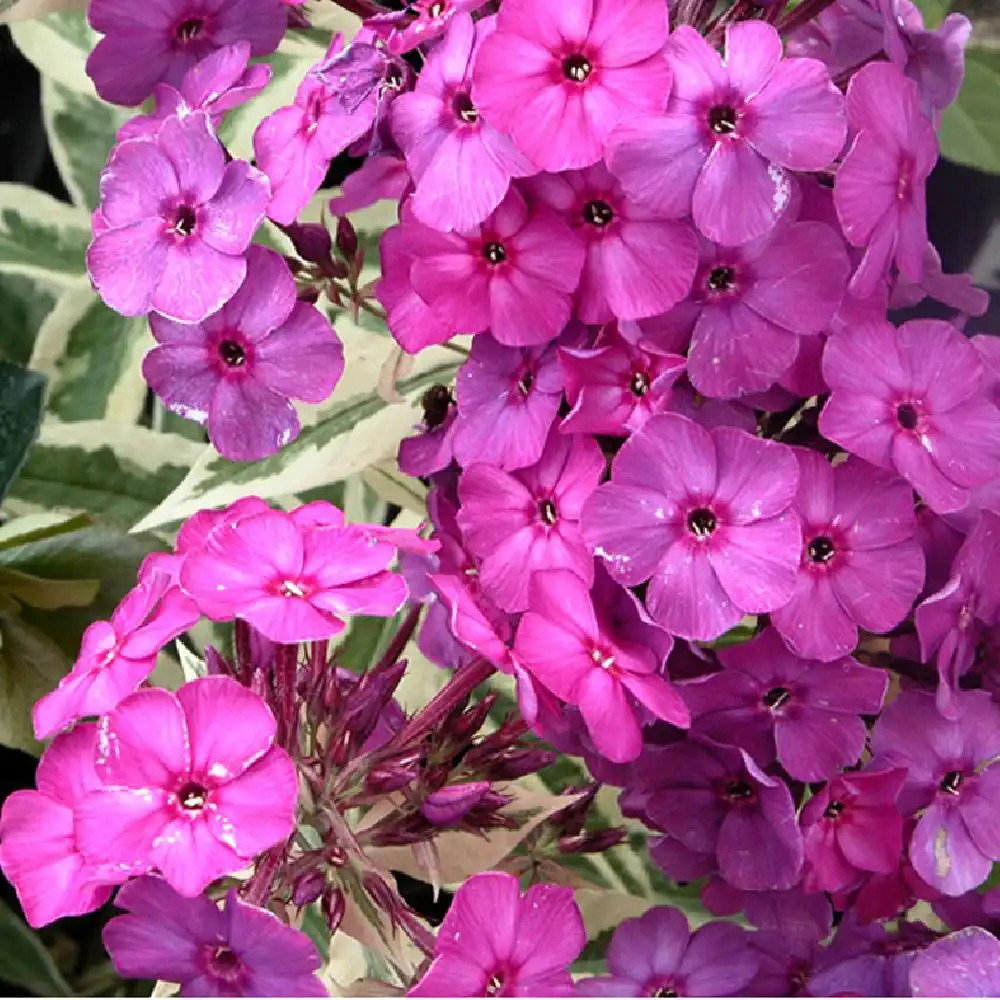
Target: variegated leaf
{"points": [[22, 10], [40, 237], [57, 46]]}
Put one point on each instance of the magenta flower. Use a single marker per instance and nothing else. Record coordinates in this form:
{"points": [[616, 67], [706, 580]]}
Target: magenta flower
{"points": [[461, 165], [657, 955], [913, 400], [861, 563], [770, 703], [293, 582], [614, 388], [496, 942], [559, 78], [852, 827], [627, 243], [705, 517], [422, 21], [514, 274], [881, 187], [750, 306], [38, 846], [952, 778], [519, 522], [561, 643], [147, 44], [239, 951], [508, 398], [963, 964], [237, 369], [178, 222], [193, 785], [732, 127]]}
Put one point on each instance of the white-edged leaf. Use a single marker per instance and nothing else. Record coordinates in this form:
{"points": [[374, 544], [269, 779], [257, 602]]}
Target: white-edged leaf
{"points": [[26, 303], [22, 10], [57, 46], [41, 237], [396, 487]]}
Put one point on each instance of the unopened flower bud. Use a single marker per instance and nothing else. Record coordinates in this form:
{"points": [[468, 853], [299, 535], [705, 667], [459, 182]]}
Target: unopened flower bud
{"points": [[308, 888], [592, 842], [347, 238], [383, 780], [333, 905], [448, 805], [472, 721], [517, 763], [311, 241]]}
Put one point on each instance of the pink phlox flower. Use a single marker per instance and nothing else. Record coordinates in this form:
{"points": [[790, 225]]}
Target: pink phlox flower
{"points": [[515, 274], [380, 177], [461, 165], [38, 847], [179, 220], [558, 78], [220, 82], [913, 400], [861, 563], [956, 291], [705, 516], [733, 125], [117, 656], [422, 21], [561, 642], [497, 942], [241, 950], [508, 399], [237, 370], [880, 189], [146, 44], [627, 244], [520, 522], [193, 785], [963, 964]]}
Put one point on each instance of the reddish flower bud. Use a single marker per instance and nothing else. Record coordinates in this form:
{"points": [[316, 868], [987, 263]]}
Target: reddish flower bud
{"points": [[311, 241], [308, 888], [448, 805], [347, 238], [333, 905], [517, 763], [592, 842]]}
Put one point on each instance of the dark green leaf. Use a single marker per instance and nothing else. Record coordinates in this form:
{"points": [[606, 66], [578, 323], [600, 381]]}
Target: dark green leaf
{"points": [[24, 961], [970, 128], [22, 398], [24, 303]]}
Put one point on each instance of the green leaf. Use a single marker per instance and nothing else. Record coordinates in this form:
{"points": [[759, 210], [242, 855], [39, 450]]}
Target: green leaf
{"points": [[970, 128], [26, 303], [24, 961], [934, 11], [41, 237], [22, 395], [58, 46], [48, 595]]}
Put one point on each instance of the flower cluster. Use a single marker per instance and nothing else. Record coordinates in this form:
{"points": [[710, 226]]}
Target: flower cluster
{"points": [[724, 519]]}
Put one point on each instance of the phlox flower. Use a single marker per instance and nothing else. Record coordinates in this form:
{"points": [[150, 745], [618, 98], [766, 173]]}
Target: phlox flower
{"points": [[193, 785], [913, 399], [149, 43], [963, 964], [236, 370], [39, 853], [732, 127], [494, 941], [241, 950], [176, 221], [422, 21], [117, 656], [559, 77], [704, 516]]}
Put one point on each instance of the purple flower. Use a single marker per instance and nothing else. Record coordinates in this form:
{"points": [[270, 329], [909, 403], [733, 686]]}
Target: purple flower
{"points": [[657, 955], [732, 127], [861, 564], [176, 223], [951, 778], [852, 827], [881, 187], [715, 800], [519, 522], [150, 43], [508, 398], [237, 369], [460, 164], [496, 942], [913, 399], [772, 704], [963, 964], [704, 515], [239, 951]]}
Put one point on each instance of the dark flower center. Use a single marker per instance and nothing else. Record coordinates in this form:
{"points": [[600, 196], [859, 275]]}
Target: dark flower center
{"points": [[495, 984], [437, 9], [702, 522], [665, 991], [951, 782], [465, 109], [495, 253], [526, 383], [820, 549], [185, 220], [639, 384], [189, 30], [906, 414], [436, 402], [224, 963], [547, 511], [392, 78], [722, 119], [598, 213], [776, 697], [721, 279], [833, 810], [738, 790], [577, 68], [193, 796], [232, 354]]}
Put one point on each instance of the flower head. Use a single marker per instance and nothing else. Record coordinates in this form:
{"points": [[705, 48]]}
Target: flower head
{"points": [[963, 964]]}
